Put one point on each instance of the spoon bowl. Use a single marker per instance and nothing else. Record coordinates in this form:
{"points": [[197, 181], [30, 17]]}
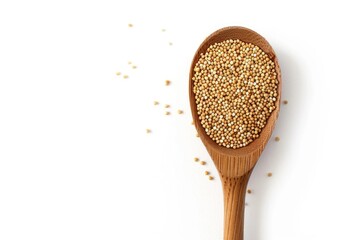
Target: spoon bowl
{"points": [[235, 165]]}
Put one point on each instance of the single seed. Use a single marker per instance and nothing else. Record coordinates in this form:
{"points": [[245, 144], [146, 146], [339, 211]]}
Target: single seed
{"points": [[167, 83], [134, 67], [203, 163], [211, 178], [163, 30], [180, 111], [285, 102], [148, 130], [167, 113], [170, 43], [118, 73], [167, 106], [125, 76], [197, 135], [129, 62], [130, 25], [249, 191], [277, 139], [156, 103], [269, 174], [196, 159], [207, 172]]}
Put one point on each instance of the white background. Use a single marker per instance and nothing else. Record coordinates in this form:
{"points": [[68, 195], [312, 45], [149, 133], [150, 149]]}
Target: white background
{"points": [[76, 163]]}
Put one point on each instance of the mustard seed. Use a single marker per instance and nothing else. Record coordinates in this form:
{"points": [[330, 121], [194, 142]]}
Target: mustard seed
{"points": [[167, 83], [211, 178], [167, 113], [170, 43], [203, 163], [197, 135], [167, 106], [196, 159], [130, 25], [285, 102], [207, 172], [156, 103], [249, 191], [134, 67], [180, 111], [125, 76], [277, 139], [118, 73], [148, 130], [269, 174], [192, 123], [235, 86]]}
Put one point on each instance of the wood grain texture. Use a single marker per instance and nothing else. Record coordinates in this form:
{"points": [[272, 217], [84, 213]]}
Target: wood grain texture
{"points": [[234, 205], [235, 165]]}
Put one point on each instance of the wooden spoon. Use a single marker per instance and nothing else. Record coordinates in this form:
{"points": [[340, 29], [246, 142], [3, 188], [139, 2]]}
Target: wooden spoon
{"points": [[235, 165]]}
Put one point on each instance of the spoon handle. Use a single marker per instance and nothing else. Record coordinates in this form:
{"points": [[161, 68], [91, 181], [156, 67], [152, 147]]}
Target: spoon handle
{"points": [[234, 205]]}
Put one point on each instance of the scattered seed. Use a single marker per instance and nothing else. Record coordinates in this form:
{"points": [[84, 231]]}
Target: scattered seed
{"points": [[180, 111], [202, 162], [126, 76], [167, 106], [269, 174], [285, 102], [170, 43], [207, 172], [163, 30], [118, 73], [167, 113], [197, 135], [129, 62], [156, 103], [130, 25], [277, 139], [167, 83], [211, 178], [148, 130], [196, 159], [134, 67], [249, 191], [235, 86]]}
